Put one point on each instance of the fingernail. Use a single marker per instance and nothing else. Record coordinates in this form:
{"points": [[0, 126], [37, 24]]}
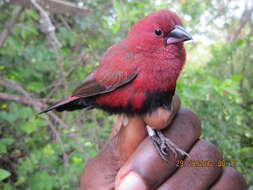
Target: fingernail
{"points": [[132, 181], [125, 121]]}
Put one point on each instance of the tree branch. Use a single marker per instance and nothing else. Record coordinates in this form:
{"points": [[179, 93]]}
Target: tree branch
{"points": [[243, 21], [35, 103], [9, 26], [46, 26], [15, 86], [20, 99], [57, 7]]}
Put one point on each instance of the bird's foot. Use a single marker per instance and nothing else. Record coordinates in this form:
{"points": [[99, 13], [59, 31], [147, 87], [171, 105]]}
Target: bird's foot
{"points": [[164, 144]]}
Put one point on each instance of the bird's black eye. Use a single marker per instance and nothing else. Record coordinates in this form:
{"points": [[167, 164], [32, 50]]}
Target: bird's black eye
{"points": [[158, 32]]}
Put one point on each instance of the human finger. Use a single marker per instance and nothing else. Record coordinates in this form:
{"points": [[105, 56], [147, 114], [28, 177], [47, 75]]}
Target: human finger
{"points": [[230, 179], [199, 171], [100, 172], [148, 164]]}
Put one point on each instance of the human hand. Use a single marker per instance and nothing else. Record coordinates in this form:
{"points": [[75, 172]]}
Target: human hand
{"points": [[129, 160]]}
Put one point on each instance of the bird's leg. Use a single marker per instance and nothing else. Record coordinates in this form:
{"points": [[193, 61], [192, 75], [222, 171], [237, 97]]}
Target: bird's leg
{"points": [[163, 144]]}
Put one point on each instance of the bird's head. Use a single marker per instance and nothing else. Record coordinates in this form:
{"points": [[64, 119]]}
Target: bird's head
{"points": [[159, 29]]}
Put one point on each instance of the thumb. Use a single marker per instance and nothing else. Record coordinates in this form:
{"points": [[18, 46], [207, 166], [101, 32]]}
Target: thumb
{"points": [[132, 181], [100, 172], [132, 132]]}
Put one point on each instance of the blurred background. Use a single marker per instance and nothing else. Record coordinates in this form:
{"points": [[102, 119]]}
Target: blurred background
{"points": [[47, 47]]}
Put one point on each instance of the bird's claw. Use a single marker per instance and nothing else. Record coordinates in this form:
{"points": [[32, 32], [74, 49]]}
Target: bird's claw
{"points": [[160, 147], [163, 145]]}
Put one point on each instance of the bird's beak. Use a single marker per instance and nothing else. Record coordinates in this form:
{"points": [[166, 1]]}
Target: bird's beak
{"points": [[178, 34]]}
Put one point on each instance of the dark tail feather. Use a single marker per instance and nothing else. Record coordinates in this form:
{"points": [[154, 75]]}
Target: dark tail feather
{"points": [[68, 104]]}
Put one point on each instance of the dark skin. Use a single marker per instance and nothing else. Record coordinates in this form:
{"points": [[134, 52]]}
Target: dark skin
{"points": [[129, 160]]}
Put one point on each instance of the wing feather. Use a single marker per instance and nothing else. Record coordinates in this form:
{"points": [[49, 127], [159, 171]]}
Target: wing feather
{"points": [[91, 86]]}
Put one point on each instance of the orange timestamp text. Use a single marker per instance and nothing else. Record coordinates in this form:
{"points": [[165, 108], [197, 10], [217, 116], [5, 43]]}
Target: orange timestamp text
{"points": [[205, 163]]}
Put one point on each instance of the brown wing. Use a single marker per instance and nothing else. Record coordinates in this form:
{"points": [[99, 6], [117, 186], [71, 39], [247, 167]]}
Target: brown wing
{"points": [[108, 82], [117, 68]]}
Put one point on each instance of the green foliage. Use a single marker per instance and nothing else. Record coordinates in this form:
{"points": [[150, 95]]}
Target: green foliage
{"points": [[4, 174], [36, 152]]}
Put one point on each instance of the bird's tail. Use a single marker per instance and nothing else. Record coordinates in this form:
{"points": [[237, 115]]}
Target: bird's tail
{"points": [[67, 104]]}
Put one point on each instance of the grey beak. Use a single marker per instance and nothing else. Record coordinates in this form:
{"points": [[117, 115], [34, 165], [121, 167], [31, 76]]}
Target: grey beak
{"points": [[179, 33]]}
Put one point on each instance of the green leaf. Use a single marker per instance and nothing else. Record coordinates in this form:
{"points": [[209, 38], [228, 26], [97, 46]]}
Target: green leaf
{"points": [[3, 148], [118, 7], [25, 167], [3, 144], [239, 42], [48, 150], [4, 174], [246, 149], [37, 181], [77, 160], [7, 141], [15, 44], [236, 78], [115, 28], [7, 187], [28, 127]]}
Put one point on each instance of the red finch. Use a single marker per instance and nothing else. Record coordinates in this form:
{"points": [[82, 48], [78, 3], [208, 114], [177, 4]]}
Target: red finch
{"points": [[138, 74]]}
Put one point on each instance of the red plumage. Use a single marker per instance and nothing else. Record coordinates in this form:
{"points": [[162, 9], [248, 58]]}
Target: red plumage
{"points": [[137, 74]]}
